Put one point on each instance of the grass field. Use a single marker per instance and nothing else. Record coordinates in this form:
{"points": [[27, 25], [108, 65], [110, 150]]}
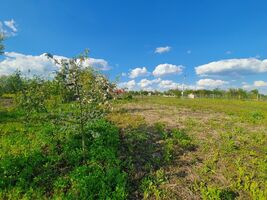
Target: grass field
{"points": [[148, 148], [43, 159], [193, 149]]}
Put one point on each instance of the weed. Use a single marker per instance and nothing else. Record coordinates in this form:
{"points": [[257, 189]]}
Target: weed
{"points": [[150, 185]]}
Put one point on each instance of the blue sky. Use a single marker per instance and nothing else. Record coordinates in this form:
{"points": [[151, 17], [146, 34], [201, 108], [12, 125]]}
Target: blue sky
{"points": [[124, 35]]}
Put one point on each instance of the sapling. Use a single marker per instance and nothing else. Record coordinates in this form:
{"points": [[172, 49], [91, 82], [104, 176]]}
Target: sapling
{"points": [[85, 89]]}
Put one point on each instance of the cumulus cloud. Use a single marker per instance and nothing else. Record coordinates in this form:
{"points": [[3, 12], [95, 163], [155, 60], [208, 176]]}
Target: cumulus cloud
{"points": [[39, 65], [100, 64], [129, 85], [156, 84], [167, 69], [138, 72], [168, 84], [233, 67], [260, 84], [161, 50], [149, 89], [211, 83], [247, 87], [144, 83]]}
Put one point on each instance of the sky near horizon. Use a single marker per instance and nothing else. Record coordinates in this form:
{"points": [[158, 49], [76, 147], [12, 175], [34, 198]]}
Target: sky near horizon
{"points": [[152, 44]]}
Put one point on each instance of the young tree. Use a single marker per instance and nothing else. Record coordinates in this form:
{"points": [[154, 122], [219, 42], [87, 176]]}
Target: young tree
{"points": [[85, 89]]}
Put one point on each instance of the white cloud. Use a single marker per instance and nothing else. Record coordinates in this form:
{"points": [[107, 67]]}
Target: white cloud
{"points": [[156, 84], [129, 85], [11, 24], [144, 83], [39, 65], [260, 84], [168, 84], [228, 52], [161, 50], [167, 69], [138, 72], [233, 67], [8, 28], [211, 83], [247, 87], [149, 89], [99, 64]]}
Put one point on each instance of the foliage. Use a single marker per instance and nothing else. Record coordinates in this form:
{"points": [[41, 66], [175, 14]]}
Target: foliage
{"points": [[90, 91], [54, 167], [211, 192], [11, 84], [32, 96], [150, 185], [182, 138]]}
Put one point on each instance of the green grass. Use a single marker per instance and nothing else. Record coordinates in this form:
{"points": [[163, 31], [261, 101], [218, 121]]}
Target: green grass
{"points": [[145, 149], [250, 111], [223, 142], [41, 159]]}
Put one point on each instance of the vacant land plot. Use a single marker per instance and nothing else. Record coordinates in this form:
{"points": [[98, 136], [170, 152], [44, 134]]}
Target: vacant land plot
{"points": [[149, 148], [194, 149]]}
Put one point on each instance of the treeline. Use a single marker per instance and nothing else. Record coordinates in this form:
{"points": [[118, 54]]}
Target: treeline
{"points": [[233, 93]]}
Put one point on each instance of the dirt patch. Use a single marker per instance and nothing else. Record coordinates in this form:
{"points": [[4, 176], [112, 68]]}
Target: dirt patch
{"points": [[172, 116], [6, 103]]}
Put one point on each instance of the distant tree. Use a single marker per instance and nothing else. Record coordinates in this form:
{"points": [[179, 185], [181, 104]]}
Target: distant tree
{"points": [[232, 93], [144, 92], [255, 93], [187, 92], [175, 92], [218, 93], [11, 84], [242, 94]]}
